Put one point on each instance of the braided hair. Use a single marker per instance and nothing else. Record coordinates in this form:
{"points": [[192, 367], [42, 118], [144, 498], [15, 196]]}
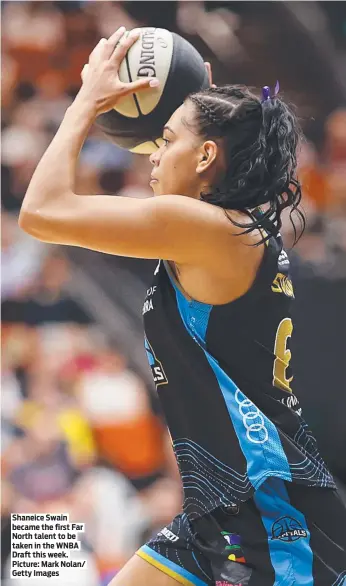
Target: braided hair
{"points": [[260, 141]]}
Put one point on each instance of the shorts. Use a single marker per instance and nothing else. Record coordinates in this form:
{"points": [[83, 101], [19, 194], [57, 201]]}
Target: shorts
{"points": [[286, 535]]}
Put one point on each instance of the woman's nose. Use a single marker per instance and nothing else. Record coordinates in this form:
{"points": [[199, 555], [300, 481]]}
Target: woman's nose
{"points": [[154, 158]]}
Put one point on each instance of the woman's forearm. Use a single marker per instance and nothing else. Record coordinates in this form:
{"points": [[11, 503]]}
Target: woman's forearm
{"points": [[54, 177], [51, 210]]}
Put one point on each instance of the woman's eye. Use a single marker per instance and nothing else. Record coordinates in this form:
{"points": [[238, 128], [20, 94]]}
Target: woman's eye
{"points": [[166, 141]]}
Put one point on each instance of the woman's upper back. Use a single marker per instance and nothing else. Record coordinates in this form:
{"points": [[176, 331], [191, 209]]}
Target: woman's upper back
{"points": [[229, 269]]}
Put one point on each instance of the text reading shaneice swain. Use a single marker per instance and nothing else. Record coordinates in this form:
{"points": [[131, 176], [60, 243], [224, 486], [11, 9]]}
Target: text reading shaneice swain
{"points": [[45, 546]]}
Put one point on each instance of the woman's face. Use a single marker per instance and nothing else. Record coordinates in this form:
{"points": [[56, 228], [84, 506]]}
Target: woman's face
{"points": [[176, 164]]}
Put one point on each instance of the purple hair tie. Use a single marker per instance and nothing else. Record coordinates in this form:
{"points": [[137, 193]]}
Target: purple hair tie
{"points": [[266, 95]]}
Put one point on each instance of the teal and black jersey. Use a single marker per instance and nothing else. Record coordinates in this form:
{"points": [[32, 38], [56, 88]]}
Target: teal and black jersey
{"points": [[223, 376]]}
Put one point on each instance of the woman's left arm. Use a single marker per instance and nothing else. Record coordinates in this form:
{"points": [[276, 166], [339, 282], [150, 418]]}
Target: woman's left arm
{"points": [[54, 176], [51, 211], [172, 227], [53, 181]]}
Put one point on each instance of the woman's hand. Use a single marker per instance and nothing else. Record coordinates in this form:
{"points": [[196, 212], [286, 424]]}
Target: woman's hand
{"points": [[210, 74], [101, 86]]}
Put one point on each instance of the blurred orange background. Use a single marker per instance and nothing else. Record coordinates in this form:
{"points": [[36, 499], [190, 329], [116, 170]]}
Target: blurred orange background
{"points": [[81, 426]]}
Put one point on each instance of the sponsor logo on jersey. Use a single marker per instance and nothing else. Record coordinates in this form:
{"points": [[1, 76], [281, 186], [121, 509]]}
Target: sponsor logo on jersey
{"points": [[158, 373], [233, 547], [292, 402], [283, 259], [148, 303], [233, 571], [168, 534], [231, 509], [288, 529], [283, 284], [253, 419]]}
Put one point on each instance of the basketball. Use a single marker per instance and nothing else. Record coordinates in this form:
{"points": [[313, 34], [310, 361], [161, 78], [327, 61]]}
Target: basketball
{"points": [[137, 121]]}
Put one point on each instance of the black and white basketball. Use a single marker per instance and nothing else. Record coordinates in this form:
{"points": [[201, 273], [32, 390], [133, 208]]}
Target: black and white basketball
{"points": [[137, 121]]}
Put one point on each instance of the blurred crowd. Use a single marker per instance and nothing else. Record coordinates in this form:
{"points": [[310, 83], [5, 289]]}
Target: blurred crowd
{"points": [[323, 178], [81, 432]]}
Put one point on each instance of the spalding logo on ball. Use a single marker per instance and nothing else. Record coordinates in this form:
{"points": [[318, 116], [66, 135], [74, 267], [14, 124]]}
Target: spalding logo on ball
{"points": [[137, 121]]}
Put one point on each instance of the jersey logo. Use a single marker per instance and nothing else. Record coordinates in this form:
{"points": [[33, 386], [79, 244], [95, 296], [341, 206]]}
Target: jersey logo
{"points": [[292, 402], [158, 373], [283, 259], [233, 547], [282, 284], [288, 529], [253, 419], [148, 303], [168, 534]]}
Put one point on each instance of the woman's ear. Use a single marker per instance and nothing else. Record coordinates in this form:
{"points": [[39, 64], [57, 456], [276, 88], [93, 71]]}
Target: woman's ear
{"points": [[207, 156]]}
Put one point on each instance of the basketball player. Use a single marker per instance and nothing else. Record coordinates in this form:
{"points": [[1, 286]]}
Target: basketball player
{"points": [[261, 508]]}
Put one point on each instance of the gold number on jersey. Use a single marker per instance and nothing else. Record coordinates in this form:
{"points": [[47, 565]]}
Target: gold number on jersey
{"points": [[283, 355]]}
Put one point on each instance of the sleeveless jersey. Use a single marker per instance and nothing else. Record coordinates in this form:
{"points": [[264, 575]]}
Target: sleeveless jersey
{"points": [[223, 377]]}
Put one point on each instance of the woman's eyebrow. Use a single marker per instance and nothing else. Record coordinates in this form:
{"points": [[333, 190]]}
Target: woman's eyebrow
{"points": [[168, 128]]}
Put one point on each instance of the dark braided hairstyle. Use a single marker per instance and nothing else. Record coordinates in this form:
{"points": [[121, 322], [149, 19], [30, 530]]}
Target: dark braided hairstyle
{"points": [[260, 140]]}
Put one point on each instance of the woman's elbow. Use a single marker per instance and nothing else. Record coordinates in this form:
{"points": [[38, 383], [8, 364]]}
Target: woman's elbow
{"points": [[31, 223], [26, 221], [42, 226]]}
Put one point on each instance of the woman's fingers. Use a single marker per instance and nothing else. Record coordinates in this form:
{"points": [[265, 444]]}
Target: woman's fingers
{"points": [[113, 51], [210, 74], [84, 72], [118, 55], [122, 48], [98, 52], [105, 48], [139, 85], [208, 68], [115, 37], [115, 48], [115, 40]]}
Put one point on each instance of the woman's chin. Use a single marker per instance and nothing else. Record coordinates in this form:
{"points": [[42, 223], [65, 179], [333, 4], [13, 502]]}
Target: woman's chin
{"points": [[155, 186]]}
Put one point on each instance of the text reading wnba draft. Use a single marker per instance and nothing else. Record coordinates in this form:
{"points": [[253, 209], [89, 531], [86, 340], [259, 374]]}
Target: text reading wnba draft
{"points": [[45, 546]]}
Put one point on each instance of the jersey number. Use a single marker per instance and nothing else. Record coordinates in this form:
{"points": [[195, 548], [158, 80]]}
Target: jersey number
{"points": [[283, 355]]}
